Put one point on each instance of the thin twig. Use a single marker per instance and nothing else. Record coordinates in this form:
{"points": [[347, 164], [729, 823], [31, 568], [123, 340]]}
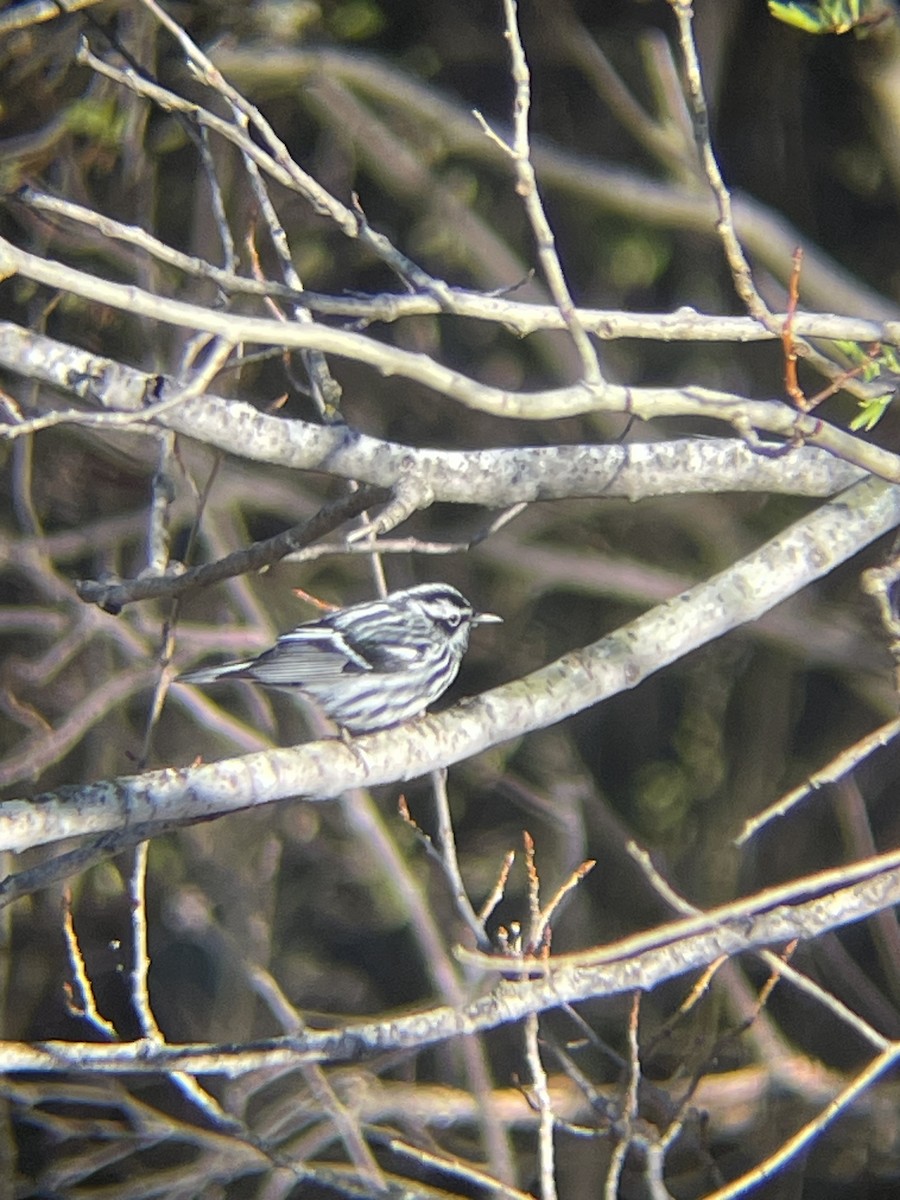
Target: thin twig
{"points": [[140, 994], [840, 765], [112, 597], [801, 1141], [546, 1118], [450, 861], [734, 252], [520, 152]]}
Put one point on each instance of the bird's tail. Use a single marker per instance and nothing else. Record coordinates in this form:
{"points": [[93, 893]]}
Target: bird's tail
{"points": [[211, 674]]}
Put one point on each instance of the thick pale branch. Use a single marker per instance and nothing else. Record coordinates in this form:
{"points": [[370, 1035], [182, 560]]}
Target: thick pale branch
{"points": [[646, 403], [804, 552], [491, 477]]}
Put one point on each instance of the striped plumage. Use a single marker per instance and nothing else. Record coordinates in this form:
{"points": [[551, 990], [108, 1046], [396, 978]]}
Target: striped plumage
{"points": [[372, 665]]}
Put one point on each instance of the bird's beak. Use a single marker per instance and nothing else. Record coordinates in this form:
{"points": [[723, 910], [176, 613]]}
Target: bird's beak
{"points": [[487, 619]]}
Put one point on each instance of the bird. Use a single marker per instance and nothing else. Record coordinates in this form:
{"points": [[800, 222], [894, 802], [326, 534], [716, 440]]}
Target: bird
{"points": [[369, 666]]}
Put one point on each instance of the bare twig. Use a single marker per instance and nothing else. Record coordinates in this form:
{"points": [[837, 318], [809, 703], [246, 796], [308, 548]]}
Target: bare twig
{"points": [[112, 597], [839, 766], [520, 150], [639, 962]]}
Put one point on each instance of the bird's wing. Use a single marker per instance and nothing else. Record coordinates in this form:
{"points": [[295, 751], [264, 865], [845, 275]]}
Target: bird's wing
{"points": [[308, 654], [312, 655], [382, 649]]}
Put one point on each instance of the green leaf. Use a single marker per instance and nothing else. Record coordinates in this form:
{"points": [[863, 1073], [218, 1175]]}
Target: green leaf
{"points": [[871, 412], [852, 351], [102, 121], [828, 16]]}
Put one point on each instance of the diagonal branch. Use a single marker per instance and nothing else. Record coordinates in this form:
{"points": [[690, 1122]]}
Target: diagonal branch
{"points": [[805, 908], [806, 551], [492, 477]]}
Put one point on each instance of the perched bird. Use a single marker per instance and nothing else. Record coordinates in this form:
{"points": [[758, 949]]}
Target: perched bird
{"points": [[372, 665]]}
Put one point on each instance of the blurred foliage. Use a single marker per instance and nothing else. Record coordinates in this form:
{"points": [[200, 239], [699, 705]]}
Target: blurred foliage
{"points": [[878, 365], [830, 16]]}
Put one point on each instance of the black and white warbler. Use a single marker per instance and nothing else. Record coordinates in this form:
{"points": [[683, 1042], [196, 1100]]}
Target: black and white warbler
{"points": [[372, 665]]}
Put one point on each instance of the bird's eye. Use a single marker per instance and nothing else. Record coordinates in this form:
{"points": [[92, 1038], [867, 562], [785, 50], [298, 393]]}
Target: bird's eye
{"points": [[451, 621]]}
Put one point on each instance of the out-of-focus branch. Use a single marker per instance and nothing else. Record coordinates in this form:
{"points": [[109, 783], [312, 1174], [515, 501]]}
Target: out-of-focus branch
{"points": [[35, 12], [767, 235]]}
